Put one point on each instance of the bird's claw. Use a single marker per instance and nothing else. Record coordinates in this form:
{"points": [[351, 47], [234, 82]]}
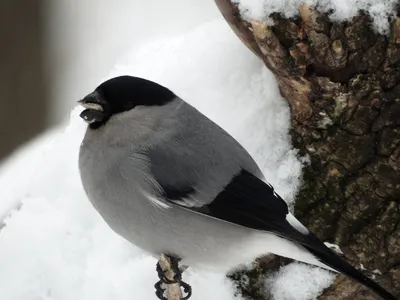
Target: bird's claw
{"points": [[161, 274], [187, 289], [160, 290]]}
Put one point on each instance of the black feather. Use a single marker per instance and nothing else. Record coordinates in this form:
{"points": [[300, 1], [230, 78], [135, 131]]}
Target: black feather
{"points": [[246, 202], [174, 194], [124, 93]]}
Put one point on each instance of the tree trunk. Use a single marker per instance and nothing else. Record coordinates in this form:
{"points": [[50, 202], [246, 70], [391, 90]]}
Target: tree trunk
{"points": [[24, 88], [342, 81]]}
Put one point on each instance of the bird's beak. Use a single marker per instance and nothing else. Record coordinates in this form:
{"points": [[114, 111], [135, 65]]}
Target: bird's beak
{"points": [[93, 101], [95, 108], [91, 105]]}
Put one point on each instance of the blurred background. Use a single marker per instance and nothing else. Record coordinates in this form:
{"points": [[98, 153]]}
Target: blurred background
{"points": [[55, 52]]}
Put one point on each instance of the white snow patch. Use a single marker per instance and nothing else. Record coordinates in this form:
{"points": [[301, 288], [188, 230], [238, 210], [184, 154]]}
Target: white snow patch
{"points": [[334, 247], [377, 271], [58, 247], [380, 11], [298, 281], [18, 171]]}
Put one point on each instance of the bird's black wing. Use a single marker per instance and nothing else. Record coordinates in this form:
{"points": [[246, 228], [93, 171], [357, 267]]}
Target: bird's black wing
{"points": [[248, 201]]}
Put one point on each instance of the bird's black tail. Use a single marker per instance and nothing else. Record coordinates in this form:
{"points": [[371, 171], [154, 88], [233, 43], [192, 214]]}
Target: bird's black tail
{"points": [[248, 201], [331, 259]]}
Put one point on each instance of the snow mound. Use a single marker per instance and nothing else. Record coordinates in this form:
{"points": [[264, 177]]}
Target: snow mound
{"points": [[342, 10], [299, 281]]}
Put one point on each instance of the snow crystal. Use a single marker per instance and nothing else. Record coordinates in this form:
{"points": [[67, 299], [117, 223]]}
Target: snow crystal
{"points": [[342, 10], [56, 246], [298, 281]]}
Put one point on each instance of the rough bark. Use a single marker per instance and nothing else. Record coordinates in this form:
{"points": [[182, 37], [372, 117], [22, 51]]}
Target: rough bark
{"points": [[342, 82]]}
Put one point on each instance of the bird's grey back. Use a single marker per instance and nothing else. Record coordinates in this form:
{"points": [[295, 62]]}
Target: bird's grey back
{"points": [[198, 157]]}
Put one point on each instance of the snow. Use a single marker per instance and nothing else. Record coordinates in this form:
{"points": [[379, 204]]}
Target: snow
{"points": [[343, 10], [298, 281], [56, 246], [334, 247]]}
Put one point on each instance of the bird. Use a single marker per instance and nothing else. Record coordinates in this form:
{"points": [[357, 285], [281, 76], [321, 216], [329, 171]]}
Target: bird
{"points": [[170, 180]]}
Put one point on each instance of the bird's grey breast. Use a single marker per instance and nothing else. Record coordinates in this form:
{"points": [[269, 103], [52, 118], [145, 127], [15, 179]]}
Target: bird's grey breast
{"points": [[117, 182]]}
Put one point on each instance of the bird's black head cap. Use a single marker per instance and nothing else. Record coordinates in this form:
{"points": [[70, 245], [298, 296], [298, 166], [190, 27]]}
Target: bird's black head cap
{"points": [[122, 94]]}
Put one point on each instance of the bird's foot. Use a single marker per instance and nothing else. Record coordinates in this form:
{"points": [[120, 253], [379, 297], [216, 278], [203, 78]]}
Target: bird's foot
{"points": [[177, 279], [161, 274], [187, 289]]}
